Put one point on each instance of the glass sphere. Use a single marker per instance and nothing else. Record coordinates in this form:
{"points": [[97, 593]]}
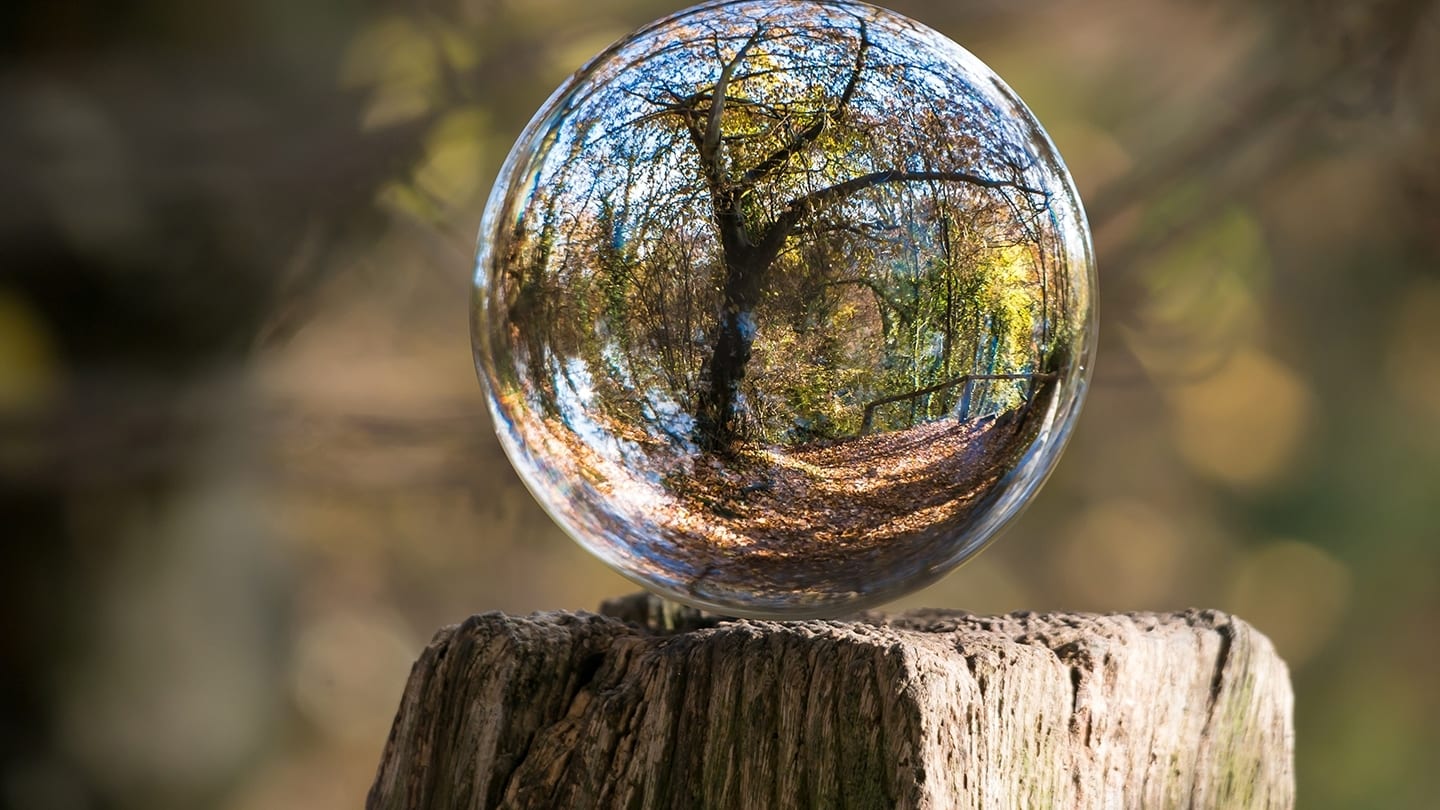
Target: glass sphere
{"points": [[784, 308]]}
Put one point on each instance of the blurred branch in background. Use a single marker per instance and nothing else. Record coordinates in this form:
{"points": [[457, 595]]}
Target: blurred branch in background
{"points": [[245, 467]]}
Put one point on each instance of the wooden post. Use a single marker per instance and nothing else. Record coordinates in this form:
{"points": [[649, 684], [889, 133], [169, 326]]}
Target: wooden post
{"points": [[661, 707], [969, 391]]}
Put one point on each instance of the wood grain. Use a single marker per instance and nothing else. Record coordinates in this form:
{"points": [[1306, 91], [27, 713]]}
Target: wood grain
{"points": [[658, 707]]}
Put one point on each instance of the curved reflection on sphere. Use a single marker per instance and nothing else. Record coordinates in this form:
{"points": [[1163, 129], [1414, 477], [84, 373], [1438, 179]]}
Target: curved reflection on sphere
{"points": [[784, 308]]}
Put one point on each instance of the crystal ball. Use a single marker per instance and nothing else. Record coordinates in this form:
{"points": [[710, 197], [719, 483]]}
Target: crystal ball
{"points": [[784, 308]]}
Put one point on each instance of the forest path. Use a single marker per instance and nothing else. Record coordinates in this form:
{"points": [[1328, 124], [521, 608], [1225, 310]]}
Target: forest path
{"points": [[857, 493], [843, 517]]}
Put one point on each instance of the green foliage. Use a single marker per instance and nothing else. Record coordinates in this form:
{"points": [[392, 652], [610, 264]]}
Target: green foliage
{"points": [[769, 237]]}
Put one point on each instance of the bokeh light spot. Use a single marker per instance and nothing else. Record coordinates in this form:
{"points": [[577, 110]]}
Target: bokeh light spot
{"points": [[1294, 593], [1412, 364], [1122, 554], [1244, 424], [28, 371], [349, 666], [400, 64], [452, 167]]}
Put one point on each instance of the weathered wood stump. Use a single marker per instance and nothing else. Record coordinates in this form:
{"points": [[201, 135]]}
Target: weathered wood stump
{"points": [[657, 707]]}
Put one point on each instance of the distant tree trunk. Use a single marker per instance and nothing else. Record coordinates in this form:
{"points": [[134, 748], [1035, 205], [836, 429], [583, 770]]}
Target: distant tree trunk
{"points": [[718, 411], [928, 709]]}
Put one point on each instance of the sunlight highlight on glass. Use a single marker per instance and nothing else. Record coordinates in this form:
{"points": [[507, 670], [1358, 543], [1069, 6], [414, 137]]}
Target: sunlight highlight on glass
{"points": [[784, 308]]}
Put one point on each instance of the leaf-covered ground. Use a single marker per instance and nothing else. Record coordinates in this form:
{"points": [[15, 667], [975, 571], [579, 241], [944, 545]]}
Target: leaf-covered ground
{"points": [[813, 522]]}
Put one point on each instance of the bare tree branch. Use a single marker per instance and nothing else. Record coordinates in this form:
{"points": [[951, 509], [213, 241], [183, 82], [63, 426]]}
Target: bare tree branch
{"points": [[808, 135], [710, 146], [802, 207]]}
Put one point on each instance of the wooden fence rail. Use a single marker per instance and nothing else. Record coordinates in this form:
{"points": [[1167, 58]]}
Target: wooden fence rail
{"points": [[867, 423]]}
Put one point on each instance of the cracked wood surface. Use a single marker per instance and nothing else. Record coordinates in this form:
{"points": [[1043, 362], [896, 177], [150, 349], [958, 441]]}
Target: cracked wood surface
{"points": [[653, 706]]}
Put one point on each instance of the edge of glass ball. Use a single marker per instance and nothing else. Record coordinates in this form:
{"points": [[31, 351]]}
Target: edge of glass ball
{"points": [[1041, 458]]}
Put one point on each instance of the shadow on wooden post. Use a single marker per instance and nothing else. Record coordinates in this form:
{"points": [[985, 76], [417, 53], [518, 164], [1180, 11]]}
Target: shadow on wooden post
{"points": [[659, 707]]}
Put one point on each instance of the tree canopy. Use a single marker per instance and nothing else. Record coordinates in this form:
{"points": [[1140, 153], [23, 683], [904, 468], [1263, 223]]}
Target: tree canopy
{"points": [[746, 226]]}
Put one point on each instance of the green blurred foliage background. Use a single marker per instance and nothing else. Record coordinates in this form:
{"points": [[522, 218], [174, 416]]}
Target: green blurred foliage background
{"points": [[246, 470]]}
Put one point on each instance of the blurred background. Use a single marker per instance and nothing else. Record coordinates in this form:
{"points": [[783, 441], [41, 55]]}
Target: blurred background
{"points": [[246, 469]]}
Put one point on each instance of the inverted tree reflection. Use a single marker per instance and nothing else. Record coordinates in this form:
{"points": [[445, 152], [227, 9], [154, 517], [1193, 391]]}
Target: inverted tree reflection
{"points": [[761, 231], [791, 184]]}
